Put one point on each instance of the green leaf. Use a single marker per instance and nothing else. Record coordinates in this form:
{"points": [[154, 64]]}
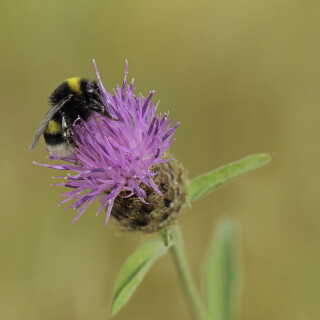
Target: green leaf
{"points": [[204, 184], [221, 273], [134, 271]]}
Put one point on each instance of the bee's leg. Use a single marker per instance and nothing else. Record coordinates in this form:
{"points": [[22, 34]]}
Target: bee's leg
{"points": [[67, 131], [100, 108], [108, 115]]}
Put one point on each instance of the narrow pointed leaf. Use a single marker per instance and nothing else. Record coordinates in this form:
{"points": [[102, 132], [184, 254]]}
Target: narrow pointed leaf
{"points": [[134, 271], [204, 184], [221, 274]]}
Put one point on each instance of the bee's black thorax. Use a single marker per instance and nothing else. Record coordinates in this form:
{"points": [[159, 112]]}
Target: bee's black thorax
{"points": [[78, 103]]}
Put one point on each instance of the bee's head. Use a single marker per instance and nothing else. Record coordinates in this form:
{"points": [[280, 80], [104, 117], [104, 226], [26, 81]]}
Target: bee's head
{"points": [[91, 93], [91, 89], [89, 96], [91, 86]]}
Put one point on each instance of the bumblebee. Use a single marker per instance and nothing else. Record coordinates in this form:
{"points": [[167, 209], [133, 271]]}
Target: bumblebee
{"points": [[73, 98]]}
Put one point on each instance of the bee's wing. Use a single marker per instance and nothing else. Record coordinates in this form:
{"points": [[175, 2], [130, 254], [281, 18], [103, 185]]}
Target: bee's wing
{"points": [[44, 123]]}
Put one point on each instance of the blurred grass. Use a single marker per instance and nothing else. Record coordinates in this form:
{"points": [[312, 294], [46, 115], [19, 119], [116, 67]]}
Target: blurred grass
{"points": [[241, 76]]}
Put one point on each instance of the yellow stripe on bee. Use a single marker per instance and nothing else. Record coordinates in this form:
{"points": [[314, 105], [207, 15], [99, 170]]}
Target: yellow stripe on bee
{"points": [[53, 127], [74, 84]]}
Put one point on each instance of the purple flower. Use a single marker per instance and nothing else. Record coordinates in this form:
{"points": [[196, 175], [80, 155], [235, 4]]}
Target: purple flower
{"points": [[116, 156]]}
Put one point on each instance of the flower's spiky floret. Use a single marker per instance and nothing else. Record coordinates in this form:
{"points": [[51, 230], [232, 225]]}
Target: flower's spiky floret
{"points": [[116, 157]]}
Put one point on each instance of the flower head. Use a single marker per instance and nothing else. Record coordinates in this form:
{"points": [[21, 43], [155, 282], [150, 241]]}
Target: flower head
{"points": [[117, 159]]}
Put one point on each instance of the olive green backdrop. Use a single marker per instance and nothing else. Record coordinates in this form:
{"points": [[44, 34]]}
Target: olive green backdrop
{"points": [[241, 76]]}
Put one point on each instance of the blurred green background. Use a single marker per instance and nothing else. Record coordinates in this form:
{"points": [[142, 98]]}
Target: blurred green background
{"points": [[241, 76]]}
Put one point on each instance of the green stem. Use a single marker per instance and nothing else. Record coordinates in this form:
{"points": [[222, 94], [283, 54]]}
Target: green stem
{"points": [[180, 260]]}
